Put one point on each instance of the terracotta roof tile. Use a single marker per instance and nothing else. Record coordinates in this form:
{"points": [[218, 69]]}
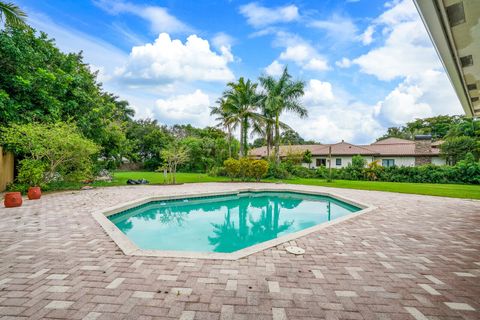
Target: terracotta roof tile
{"points": [[393, 141], [386, 147]]}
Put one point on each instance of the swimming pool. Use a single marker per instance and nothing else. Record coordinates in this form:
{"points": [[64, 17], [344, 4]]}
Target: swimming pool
{"points": [[225, 223]]}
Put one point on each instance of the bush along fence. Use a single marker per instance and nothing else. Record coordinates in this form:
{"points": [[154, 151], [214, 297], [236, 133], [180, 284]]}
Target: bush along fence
{"points": [[245, 169], [466, 171]]}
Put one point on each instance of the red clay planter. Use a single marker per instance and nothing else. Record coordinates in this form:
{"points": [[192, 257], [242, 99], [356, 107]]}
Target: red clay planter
{"points": [[34, 193], [13, 199]]}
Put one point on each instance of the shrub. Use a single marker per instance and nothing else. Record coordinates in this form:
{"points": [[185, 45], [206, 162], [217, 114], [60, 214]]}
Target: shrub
{"points": [[245, 168], [294, 157], [259, 169], [355, 170], [60, 146], [321, 172], [232, 168], [31, 172], [373, 170], [467, 170], [302, 172], [278, 171], [217, 172], [307, 157], [18, 187], [455, 149]]}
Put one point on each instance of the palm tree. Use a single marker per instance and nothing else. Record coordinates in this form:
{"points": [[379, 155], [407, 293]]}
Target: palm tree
{"points": [[265, 129], [11, 14], [226, 120], [242, 103], [282, 95]]}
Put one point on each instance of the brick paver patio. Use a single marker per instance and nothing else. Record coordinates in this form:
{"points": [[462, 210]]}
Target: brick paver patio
{"points": [[415, 257]]}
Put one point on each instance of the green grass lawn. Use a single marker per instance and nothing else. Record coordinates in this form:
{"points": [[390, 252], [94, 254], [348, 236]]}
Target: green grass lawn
{"points": [[443, 190]]}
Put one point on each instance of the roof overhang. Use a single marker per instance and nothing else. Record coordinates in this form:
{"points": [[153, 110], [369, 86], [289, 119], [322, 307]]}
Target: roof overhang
{"points": [[454, 27]]}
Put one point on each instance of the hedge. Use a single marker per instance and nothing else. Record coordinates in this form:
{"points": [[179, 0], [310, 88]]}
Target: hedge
{"points": [[246, 168]]}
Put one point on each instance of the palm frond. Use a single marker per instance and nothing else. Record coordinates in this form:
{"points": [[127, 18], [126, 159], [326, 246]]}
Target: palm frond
{"points": [[11, 14]]}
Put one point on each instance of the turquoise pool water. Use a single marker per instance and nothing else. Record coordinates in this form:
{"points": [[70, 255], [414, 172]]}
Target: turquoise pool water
{"points": [[225, 223]]}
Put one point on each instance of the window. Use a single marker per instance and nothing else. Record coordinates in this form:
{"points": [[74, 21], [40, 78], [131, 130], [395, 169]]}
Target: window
{"points": [[388, 162], [321, 162], [338, 161]]}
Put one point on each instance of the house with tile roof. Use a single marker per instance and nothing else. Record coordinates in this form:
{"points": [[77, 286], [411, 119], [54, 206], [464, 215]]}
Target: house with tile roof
{"points": [[388, 152]]}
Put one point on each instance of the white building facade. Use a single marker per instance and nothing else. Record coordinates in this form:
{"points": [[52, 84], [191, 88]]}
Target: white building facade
{"points": [[388, 152]]}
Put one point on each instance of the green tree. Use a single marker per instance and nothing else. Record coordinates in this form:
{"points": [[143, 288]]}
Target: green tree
{"points": [[31, 172], [355, 170], [465, 127], [11, 15], [174, 156], [439, 127], [39, 83], [59, 146], [307, 158], [290, 136], [146, 139], [226, 120], [456, 148], [282, 95], [241, 102]]}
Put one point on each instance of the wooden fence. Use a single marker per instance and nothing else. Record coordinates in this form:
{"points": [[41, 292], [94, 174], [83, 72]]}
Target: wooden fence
{"points": [[6, 168]]}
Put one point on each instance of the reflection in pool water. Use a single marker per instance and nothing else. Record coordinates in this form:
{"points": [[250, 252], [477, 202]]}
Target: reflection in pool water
{"points": [[225, 223]]}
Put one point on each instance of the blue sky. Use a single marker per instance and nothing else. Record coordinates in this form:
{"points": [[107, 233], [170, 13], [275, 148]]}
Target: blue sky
{"points": [[367, 64]]}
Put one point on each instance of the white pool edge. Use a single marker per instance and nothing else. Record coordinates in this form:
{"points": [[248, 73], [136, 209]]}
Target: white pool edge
{"points": [[130, 248]]}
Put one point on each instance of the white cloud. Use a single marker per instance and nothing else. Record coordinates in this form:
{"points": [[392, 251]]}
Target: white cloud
{"points": [[317, 92], [167, 61], [402, 105], [298, 53], [333, 118], [344, 63], [408, 54], [223, 43], [407, 51], [222, 39], [418, 97], [190, 108], [275, 69], [260, 16], [304, 56], [316, 64], [338, 28], [367, 35], [400, 11], [159, 18]]}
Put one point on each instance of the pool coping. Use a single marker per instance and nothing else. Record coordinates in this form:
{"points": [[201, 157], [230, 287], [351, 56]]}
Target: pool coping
{"points": [[130, 248]]}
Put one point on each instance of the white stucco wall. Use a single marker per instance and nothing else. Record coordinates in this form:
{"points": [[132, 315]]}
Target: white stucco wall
{"points": [[345, 161], [399, 161], [438, 161]]}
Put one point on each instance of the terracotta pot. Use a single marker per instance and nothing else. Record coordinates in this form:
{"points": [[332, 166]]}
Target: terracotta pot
{"points": [[13, 199], [34, 193]]}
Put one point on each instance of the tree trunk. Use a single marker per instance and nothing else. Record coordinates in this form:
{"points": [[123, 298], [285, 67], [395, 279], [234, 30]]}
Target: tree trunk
{"points": [[277, 138], [241, 138], [245, 139], [268, 130], [229, 141], [174, 173]]}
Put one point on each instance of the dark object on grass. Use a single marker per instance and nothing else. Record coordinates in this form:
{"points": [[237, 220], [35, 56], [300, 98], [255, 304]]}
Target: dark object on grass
{"points": [[133, 182]]}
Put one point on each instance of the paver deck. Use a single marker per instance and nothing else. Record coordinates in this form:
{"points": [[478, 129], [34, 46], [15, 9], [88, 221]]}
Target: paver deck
{"points": [[415, 257]]}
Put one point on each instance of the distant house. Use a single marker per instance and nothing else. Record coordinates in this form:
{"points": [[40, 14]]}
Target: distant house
{"points": [[388, 152]]}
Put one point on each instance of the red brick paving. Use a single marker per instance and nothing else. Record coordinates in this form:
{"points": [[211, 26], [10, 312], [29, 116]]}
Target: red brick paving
{"points": [[415, 257]]}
